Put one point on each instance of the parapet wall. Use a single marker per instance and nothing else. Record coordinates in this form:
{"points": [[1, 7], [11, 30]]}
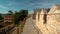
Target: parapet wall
{"points": [[51, 26], [49, 23]]}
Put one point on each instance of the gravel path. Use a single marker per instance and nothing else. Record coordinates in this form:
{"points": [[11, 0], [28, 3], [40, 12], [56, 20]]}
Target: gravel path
{"points": [[29, 27]]}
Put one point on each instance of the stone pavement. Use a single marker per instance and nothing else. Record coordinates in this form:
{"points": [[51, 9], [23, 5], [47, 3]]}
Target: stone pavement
{"points": [[29, 27]]}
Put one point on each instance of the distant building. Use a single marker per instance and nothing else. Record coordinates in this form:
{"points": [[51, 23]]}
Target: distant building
{"points": [[2, 24], [7, 23], [8, 18]]}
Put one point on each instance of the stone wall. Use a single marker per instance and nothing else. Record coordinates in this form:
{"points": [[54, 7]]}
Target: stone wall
{"points": [[40, 23], [52, 24], [18, 29]]}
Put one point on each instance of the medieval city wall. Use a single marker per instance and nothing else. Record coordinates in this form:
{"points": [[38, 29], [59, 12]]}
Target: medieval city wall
{"points": [[52, 25]]}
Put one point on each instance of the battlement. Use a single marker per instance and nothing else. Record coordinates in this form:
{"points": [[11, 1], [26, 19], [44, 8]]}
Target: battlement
{"points": [[49, 21]]}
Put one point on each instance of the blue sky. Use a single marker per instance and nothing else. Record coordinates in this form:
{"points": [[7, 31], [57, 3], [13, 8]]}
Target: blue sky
{"points": [[16, 5]]}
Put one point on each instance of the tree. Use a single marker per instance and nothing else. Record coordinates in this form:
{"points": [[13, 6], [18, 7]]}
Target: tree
{"points": [[23, 14], [19, 16], [1, 17], [48, 9], [10, 12]]}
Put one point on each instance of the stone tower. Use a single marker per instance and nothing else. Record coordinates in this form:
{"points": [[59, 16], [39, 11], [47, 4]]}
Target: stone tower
{"points": [[53, 20], [49, 23], [35, 12], [40, 23]]}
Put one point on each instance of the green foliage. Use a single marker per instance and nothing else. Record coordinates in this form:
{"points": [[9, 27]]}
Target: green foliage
{"points": [[10, 12], [19, 16], [48, 9], [1, 17]]}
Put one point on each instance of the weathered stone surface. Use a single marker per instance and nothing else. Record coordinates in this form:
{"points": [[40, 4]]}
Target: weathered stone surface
{"points": [[40, 23], [52, 26]]}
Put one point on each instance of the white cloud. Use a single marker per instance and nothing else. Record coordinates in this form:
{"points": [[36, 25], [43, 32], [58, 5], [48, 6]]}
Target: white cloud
{"points": [[1, 6], [13, 3]]}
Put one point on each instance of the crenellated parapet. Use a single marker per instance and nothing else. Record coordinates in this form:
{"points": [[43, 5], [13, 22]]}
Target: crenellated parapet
{"points": [[49, 21]]}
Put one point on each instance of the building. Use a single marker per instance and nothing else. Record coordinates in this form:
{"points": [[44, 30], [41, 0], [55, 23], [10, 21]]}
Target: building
{"points": [[49, 22], [6, 24], [8, 18], [35, 12], [41, 21], [53, 19], [39, 11]]}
